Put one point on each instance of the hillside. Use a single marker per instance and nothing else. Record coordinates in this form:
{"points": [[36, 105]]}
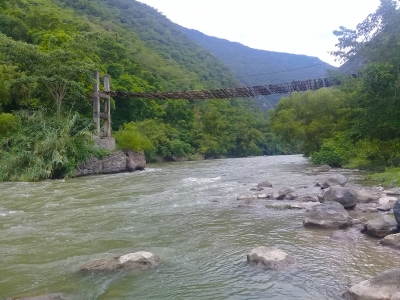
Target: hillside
{"points": [[259, 67], [48, 52]]}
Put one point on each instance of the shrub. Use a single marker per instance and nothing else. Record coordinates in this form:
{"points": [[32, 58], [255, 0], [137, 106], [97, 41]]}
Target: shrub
{"points": [[129, 138], [45, 145], [334, 152]]}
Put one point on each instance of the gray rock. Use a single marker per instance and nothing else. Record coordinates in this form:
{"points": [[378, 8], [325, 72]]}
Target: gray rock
{"points": [[116, 162], [391, 240], [327, 215], [367, 196], [335, 179], [387, 200], [256, 189], [290, 196], [305, 205], [392, 192], [135, 160], [270, 258], [262, 196], [385, 207], [396, 210], [381, 226], [137, 260], [381, 287], [247, 197], [264, 184], [343, 195], [283, 192], [323, 168], [307, 199], [395, 296]]}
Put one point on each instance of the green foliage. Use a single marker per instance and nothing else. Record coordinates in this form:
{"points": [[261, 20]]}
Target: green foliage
{"points": [[43, 145], [8, 124], [335, 152], [389, 178], [129, 138], [306, 119]]}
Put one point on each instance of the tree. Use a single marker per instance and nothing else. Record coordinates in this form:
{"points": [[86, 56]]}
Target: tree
{"points": [[307, 118], [375, 39]]}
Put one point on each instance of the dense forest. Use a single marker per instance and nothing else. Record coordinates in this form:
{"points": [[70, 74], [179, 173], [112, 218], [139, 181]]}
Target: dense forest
{"points": [[358, 124], [48, 51], [260, 67]]}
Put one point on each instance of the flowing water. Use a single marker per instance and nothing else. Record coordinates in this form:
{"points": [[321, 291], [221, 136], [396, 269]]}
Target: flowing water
{"points": [[188, 214]]}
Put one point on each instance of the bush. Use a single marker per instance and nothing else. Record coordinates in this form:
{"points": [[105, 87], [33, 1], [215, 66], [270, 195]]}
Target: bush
{"points": [[179, 148], [129, 138], [8, 124], [45, 145], [334, 152]]}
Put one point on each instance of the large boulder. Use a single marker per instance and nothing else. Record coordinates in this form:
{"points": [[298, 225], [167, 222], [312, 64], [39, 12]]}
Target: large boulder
{"points": [[135, 160], [381, 287], [396, 210], [270, 258], [116, 162], [392, 240], [335, 179], [343, 195], [327, 215], [137, 260], [381, 226]]}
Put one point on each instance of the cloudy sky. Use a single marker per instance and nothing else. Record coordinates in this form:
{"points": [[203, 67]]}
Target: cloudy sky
{"points": [[292, 26]]}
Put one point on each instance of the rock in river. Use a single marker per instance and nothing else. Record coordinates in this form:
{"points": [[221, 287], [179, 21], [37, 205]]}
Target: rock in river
{"points": [[137, 260], [396, 211], [391, 240], [270, 258], [327, 215], [335, 179], [383, 286], [345, 196], [381, 227]]}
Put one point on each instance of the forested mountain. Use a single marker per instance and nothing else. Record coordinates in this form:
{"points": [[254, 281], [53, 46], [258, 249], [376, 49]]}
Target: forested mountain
{"points": [[48, 51], [259, 67]]}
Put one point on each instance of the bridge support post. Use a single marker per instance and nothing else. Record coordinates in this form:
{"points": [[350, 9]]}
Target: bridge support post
{"points": [[107, 108], [96, 101]]}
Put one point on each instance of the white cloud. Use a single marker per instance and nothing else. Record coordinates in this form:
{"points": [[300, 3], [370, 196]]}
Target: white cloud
{"points": [[292, 26]]}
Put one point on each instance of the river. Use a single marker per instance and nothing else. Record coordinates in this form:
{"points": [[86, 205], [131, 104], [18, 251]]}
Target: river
{"points": [[187, 213]]}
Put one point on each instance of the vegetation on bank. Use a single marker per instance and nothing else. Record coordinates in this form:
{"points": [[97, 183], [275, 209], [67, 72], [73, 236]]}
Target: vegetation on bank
{"points": [[48, 51], [358, 124]]}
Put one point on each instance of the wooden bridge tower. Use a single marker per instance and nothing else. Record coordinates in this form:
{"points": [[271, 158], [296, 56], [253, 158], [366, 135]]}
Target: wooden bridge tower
{"points": [[98, 114], [104, 138]]}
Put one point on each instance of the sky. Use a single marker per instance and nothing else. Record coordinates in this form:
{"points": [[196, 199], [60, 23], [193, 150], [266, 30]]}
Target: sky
{"points": [[292, 26]]}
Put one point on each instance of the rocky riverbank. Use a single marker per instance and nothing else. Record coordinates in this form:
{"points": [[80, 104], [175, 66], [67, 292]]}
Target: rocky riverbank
{"points": [[117, 162], [335, 207]]}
